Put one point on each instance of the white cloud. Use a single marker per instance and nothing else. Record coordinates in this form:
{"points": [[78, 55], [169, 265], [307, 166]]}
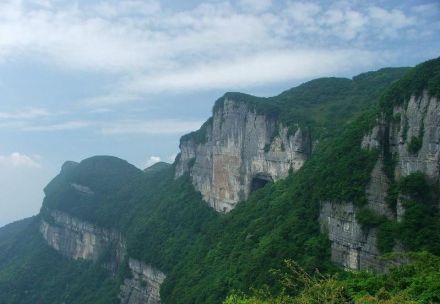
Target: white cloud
{"points": [[165, 126], [254, 70], [63, 126], [256, 5], [428, 8], [141, 42], [390, 22], [43, 3], [127, 8], [303, 12], [151, 161], [17, 159], [28, 113], [103, 124]]}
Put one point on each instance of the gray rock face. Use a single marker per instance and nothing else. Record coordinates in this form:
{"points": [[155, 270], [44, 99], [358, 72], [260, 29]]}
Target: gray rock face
{"points": [[420, 118], [144, 286], [77, 239], [352, 247], [241, 151], [80, 240]]}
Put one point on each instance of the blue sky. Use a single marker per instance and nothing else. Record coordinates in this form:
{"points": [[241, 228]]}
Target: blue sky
{"points": [[128, 78]]}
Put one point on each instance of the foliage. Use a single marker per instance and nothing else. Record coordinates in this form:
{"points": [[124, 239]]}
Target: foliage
{"points": [[299, 287], [416, 282], [206, 255], [415, 144], [415, 185], [42, 276], [419, 228], [369, 219], [323, 105], [425, 76]]}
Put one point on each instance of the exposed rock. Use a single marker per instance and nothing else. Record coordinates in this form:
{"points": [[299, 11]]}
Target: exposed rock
{"points": [[80, 240], [421, 117], [240, 146], [377, 191], [82, 189], [77, 239], [144, 286], [418, 118], [352, 247], [374, 139]]}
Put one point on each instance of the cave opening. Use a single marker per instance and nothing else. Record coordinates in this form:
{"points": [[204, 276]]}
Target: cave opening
{"points": [[259, 181]]}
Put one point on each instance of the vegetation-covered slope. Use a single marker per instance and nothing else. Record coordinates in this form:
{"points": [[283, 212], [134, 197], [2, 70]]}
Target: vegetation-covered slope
{"points": [[204, 254], [32, 272]]}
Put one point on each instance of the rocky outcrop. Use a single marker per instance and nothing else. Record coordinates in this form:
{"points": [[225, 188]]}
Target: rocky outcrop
{"points": [[351, 246], [237, 151], [77, 239], [417, 120], [144, 286]]}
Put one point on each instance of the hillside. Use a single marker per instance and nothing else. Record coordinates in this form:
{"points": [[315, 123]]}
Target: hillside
{"points": [[320, 174]]}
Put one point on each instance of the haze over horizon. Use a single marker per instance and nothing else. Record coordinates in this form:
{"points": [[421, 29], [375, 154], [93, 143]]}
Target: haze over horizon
{"points": [[128, 78]]}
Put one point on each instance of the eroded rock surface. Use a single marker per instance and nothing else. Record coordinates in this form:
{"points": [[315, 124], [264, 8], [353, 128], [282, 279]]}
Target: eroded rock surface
{"points": [[353, 247], [78, 239], [239, 148], [144, 286]]}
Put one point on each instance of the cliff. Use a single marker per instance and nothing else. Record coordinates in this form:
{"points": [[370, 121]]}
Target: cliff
{"points": [[239, 151], [250, 141], [407, 136], [135, 226], [77, 239]]}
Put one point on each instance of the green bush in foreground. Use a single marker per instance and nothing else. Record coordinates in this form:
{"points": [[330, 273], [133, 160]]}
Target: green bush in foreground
{"points": [[415, 282]]}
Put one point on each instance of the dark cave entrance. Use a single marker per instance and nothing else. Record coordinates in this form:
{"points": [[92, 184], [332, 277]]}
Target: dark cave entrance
{"points": [[259, 181]]}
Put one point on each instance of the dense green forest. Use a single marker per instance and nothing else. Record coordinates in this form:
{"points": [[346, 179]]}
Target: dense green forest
{"points": [[209, 257]]}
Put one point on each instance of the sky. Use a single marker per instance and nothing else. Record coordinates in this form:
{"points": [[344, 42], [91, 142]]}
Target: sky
{"points": [[128, 78]]}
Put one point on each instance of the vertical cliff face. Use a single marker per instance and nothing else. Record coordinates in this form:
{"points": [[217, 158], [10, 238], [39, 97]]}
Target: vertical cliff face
{"points": [[144, 286], [81, 240], [416, 137], [352, 247], [237, 152], [411, 136], [76, 239]]}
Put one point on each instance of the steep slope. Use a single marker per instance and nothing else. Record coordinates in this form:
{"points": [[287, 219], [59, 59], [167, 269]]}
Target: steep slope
{"points": [[32, 272], [401, 212], [139, 227]]}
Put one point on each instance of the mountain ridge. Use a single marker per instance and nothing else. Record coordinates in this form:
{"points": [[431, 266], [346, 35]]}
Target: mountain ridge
{"points": [[205, 255]]}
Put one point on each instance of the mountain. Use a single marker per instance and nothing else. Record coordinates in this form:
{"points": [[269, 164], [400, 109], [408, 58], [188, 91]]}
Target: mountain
{"points": [[331, 174]]}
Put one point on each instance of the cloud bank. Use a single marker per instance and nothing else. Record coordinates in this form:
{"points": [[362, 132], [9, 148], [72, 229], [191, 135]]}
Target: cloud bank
{"points": [[152, 48], [17, 159]]}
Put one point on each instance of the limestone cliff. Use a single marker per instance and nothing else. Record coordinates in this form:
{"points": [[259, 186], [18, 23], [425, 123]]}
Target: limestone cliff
{"points": [[144, 286], [237, 151], [411, 136], [81, 240]]}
